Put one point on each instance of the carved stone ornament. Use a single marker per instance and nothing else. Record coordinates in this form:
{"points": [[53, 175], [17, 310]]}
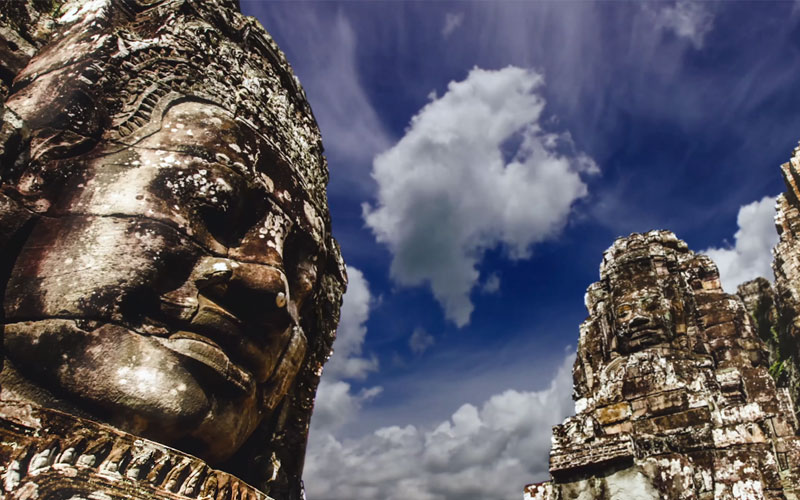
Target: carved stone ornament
{"points": [[168, 268], [50, 455]]}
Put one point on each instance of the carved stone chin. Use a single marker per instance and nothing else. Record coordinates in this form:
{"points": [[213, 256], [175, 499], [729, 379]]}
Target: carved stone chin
{"points": [[167, 260]]}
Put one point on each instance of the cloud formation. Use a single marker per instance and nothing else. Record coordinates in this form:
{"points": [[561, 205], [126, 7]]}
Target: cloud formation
{"points": [[479, 452], [686, 19], [325, 49], [474, 170], [347, 361], [350, 125], [336, 404], [420, 341], [452, 21], [751, 254], [491, 284]]}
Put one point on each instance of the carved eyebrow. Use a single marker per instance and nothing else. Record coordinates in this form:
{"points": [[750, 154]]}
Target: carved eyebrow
{"points": [[249, 176]]}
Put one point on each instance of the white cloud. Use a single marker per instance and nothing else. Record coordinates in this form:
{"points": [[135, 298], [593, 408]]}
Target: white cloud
{"points": [[473, 171], [686, 19], [348, 121], [490, 451], [751, 255], [420, 341], [335, 403], [452, 21], [492, 284], [347, 361]]}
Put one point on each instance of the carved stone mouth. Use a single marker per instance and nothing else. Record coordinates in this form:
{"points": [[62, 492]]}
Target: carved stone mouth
{"points": [[203, 350], [218, 326], [645, 332]]}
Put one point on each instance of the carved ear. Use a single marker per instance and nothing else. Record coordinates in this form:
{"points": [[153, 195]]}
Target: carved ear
{"points": [[613, 345]]}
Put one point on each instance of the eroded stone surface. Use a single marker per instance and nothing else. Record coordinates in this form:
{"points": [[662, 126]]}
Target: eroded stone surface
{"points": [[776, 309], [167, 260], [673, 394], [51, 455]]}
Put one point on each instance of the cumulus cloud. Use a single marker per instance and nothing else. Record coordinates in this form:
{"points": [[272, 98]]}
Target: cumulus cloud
{"points": [[420, 341], [347, 361], [336, 404], [686, 19], [452, 21], [474, 170], [486, 451], [751, 254]]}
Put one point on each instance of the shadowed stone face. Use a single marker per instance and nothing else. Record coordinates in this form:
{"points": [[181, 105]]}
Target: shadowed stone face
{"points": [[642, 317], [176, 276], [162, 287]]}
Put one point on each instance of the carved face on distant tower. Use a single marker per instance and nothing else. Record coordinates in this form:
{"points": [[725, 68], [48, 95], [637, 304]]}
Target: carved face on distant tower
{"points": [[164, 289], [642, 315]]}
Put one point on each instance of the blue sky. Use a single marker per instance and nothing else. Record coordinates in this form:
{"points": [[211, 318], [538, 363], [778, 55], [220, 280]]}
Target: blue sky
{"points": [[482, 157]]}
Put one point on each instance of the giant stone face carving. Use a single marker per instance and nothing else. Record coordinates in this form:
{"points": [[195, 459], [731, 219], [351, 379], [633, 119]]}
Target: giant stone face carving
{"points": [[642, 315], [194, 361], [169, 263]]}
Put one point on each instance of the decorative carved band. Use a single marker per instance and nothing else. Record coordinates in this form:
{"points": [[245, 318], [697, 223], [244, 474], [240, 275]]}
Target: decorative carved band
{"points": [[49, 455]]}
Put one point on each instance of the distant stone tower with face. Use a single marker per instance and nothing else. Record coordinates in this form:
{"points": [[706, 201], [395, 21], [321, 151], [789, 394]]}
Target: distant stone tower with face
{"points": [[673, 396], [171, 284]]}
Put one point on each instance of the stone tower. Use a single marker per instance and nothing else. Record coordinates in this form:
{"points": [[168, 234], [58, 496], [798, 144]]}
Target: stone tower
{"points": [[673, 395], [777, 308]]}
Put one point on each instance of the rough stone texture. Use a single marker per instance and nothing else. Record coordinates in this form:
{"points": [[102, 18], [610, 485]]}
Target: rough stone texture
{"points": [[673, 395], [777, 309], [772, 320], [166, 255], [53, 455]]}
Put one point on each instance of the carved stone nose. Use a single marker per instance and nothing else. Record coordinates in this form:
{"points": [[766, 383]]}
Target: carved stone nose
{"points": [[212, 271], [247, 289], [639, 321]]}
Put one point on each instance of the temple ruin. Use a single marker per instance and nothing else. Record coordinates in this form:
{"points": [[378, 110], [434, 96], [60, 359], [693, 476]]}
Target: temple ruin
{"points": [[682, 390]]}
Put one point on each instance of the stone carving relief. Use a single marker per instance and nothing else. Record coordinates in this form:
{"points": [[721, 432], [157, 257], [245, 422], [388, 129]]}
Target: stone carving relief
{"points": [[673, 395], [168, 264]]}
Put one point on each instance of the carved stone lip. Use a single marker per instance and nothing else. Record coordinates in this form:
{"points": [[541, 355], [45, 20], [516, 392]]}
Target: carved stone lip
{"points": [[648, 330], [221, 328], [247, 349], [205, 351]]}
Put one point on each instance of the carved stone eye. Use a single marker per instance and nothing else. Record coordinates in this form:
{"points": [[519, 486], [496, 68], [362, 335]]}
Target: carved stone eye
{"points": [[230, 214], [624, 311]]}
